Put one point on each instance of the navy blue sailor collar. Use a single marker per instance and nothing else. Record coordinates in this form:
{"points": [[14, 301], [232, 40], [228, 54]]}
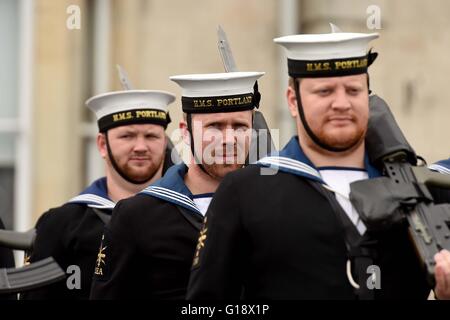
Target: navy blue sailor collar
{"points": [[293, 160], [171, 188], [95, 196], [442, 166]]}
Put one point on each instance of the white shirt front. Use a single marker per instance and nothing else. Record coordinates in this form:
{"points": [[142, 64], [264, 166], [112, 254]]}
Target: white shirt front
{"points": [[339, 179], [202, 202]]}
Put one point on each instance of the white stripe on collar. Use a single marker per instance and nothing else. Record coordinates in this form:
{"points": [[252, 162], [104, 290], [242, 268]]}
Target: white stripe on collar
{"points": [[93, 201], [172, 196], [300, 167], [439, 168], [288, 163]]}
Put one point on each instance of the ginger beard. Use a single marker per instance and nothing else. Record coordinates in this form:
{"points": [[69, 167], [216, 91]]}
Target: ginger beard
{"points": [[139, 167], [343, 132], [138, 161]]}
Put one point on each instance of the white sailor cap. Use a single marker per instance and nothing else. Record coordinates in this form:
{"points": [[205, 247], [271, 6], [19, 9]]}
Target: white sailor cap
{"points": [[219, 92], [121, 108], [328, 55]]}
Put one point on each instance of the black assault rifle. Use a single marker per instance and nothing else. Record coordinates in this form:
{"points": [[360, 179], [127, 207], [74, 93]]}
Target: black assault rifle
{"points": [[31, 276], [403, 191]]}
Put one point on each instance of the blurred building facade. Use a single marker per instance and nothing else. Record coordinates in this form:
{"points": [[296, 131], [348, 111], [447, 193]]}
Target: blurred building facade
{"points": [[48, 70]]}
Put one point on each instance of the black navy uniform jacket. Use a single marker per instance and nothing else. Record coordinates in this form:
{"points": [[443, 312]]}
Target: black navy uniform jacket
{"points": [[71, 234], [278, 237], [148, 246]]}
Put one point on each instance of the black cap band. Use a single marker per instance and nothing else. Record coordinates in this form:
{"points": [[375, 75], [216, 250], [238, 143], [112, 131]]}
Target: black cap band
{"points": [[239, 102], [331, 67], [136, 116]]}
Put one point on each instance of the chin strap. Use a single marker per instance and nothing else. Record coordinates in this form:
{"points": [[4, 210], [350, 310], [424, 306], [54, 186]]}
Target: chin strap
{"points": [[191, 133]]}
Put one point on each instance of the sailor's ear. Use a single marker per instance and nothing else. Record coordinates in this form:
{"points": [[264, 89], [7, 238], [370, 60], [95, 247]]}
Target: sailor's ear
{"points": [[292, 101], [101, 145]]}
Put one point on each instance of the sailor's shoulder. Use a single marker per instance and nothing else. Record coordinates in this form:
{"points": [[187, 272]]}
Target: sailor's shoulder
{"points": [[138, 207], [58, 218]]}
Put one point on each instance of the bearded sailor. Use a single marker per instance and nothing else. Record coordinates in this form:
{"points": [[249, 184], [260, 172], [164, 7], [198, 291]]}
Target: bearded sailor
{"points": [[152, 237], [284, 228], [132, 142]]}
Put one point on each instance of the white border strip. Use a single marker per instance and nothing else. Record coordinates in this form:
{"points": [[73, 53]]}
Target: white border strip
{"points": [[164, 192], [439, 168], [97, 200], [290, 164]]}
